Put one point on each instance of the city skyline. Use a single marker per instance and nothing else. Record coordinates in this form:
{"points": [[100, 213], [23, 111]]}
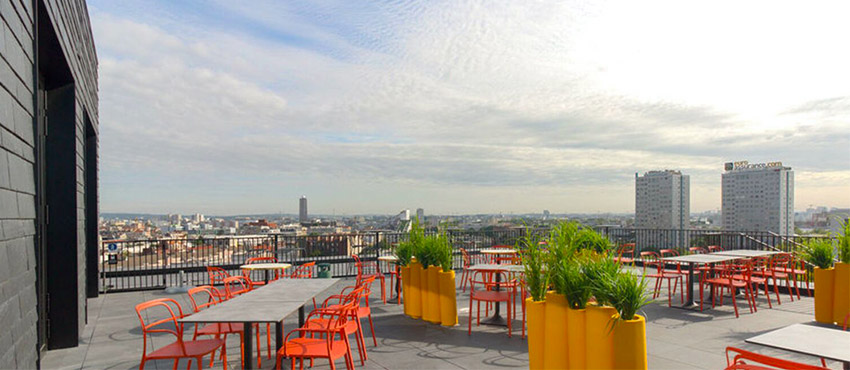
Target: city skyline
{"points": [[459, 107]]}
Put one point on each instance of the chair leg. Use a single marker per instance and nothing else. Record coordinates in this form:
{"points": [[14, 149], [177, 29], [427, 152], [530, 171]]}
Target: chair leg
{"points": [[766, 293], [372, 328], [469, 330], [734, 302]]}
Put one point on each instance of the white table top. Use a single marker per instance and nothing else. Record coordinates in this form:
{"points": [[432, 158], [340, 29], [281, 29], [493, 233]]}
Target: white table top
{"points": [[266, 266], [745, 253], [827, 342], [388, 258], [496, 267], [498, 251]]}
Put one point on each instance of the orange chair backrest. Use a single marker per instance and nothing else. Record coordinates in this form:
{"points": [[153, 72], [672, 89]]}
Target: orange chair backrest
{"points": [[304, 271], [714, 248], [236, 285], [742, 357], [253, 260], [217, 275], [651, 259], [154, 327], [205, 294], [697, 250], [668, 252]]}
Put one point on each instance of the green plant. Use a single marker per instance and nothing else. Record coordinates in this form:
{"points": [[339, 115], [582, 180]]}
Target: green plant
{"points": [[600, 272], [536, 277], [409, 248], [844, 242], [443, 252], [626, 293], [575, 284], [818, 252], [589, 239]]}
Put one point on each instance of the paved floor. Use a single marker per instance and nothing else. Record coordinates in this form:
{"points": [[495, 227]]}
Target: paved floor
{"points": [[677, 338]]}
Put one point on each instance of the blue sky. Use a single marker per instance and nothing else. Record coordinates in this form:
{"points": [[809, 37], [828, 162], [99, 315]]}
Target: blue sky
{"points": [[462, 106]]}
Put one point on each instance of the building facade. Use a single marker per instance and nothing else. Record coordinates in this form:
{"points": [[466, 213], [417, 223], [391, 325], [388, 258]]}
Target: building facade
{"points": [[662, 200], [302, 210], [758, 197], [48, 177]]}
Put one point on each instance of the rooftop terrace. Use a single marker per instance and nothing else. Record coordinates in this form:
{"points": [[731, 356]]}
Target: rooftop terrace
{"points": [[676, 338]]}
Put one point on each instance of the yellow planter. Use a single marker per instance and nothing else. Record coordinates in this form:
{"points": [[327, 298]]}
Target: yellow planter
{"points": [[414, 295], [536, 317], [423, 293], [405, 288], [824, 284], [630, 344], [433, 294], [555, 332], [599, 340], [576, 345], [841, 303], [448, 298]]}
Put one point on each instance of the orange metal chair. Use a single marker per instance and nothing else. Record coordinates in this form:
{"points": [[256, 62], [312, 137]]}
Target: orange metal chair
{"points": [[467, 262], [353, 326], [253, 260], [793, 268], [236, 285], [304, 271], [210, 294], [624, 250], [726, 279], [678, 271], [655, 267], [326, 346], [194, 349], [763, 272], [714, 248], [217, 276], [750, 360], [489, 295], [367, 270]]}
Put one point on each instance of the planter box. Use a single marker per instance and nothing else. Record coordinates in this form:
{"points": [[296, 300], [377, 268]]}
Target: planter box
{"points": [[536, 317], [432, 295], [841, 301], [630, 344], [555, 332], [576, 331], [448, 298], [824, 295], [599, 337], [414, 296]]}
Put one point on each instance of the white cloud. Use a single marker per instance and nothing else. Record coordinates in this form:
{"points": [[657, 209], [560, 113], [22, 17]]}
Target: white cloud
{"points": [[478, 99]]}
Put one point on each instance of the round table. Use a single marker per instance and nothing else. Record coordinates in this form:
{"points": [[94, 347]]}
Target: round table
{"points": [[266, 267]]}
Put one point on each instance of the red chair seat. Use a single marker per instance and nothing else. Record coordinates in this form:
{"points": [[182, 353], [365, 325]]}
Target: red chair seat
{"points": [[724, 281], [323, 324], [193, 348], [315, 347], [491, 296], [220, 328]]}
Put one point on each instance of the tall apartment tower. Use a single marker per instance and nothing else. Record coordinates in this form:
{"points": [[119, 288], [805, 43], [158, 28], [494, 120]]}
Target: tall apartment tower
{"points": [[420, 214], [662, 200], [302, 209], [758, 197]]}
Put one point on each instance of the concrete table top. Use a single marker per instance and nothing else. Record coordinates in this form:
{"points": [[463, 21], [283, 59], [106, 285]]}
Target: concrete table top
{"points": [[745, 253], [827, 342], [271, 303], [495, 267], [388, 258], [700, 258]]}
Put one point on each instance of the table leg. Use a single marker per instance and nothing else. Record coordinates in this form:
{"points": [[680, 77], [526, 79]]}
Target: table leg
{"points": [[690, 283], [247, 341], [266, 276], [278, 339], [301, 316]]}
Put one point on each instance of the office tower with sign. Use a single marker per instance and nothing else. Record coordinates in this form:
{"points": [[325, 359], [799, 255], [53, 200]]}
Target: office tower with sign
{"points": [[758, 197]]}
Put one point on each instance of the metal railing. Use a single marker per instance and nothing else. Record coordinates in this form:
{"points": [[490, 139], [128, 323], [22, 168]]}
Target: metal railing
{"points": [[159, 263]]}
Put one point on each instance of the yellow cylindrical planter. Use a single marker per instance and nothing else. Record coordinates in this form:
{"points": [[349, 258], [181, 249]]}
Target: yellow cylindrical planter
{"points": [[423, 293], [414, 296], [448, 299], [555, 332], [405, 288], [576, 345], [536, 317], [630, 344], [434, 294], [824, 284], [841, 301], [599, 352]]}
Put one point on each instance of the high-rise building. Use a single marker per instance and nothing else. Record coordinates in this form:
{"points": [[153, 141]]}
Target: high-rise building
{"points": [[420, 214], [758, 197], [662, 200], [302, 209]]}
